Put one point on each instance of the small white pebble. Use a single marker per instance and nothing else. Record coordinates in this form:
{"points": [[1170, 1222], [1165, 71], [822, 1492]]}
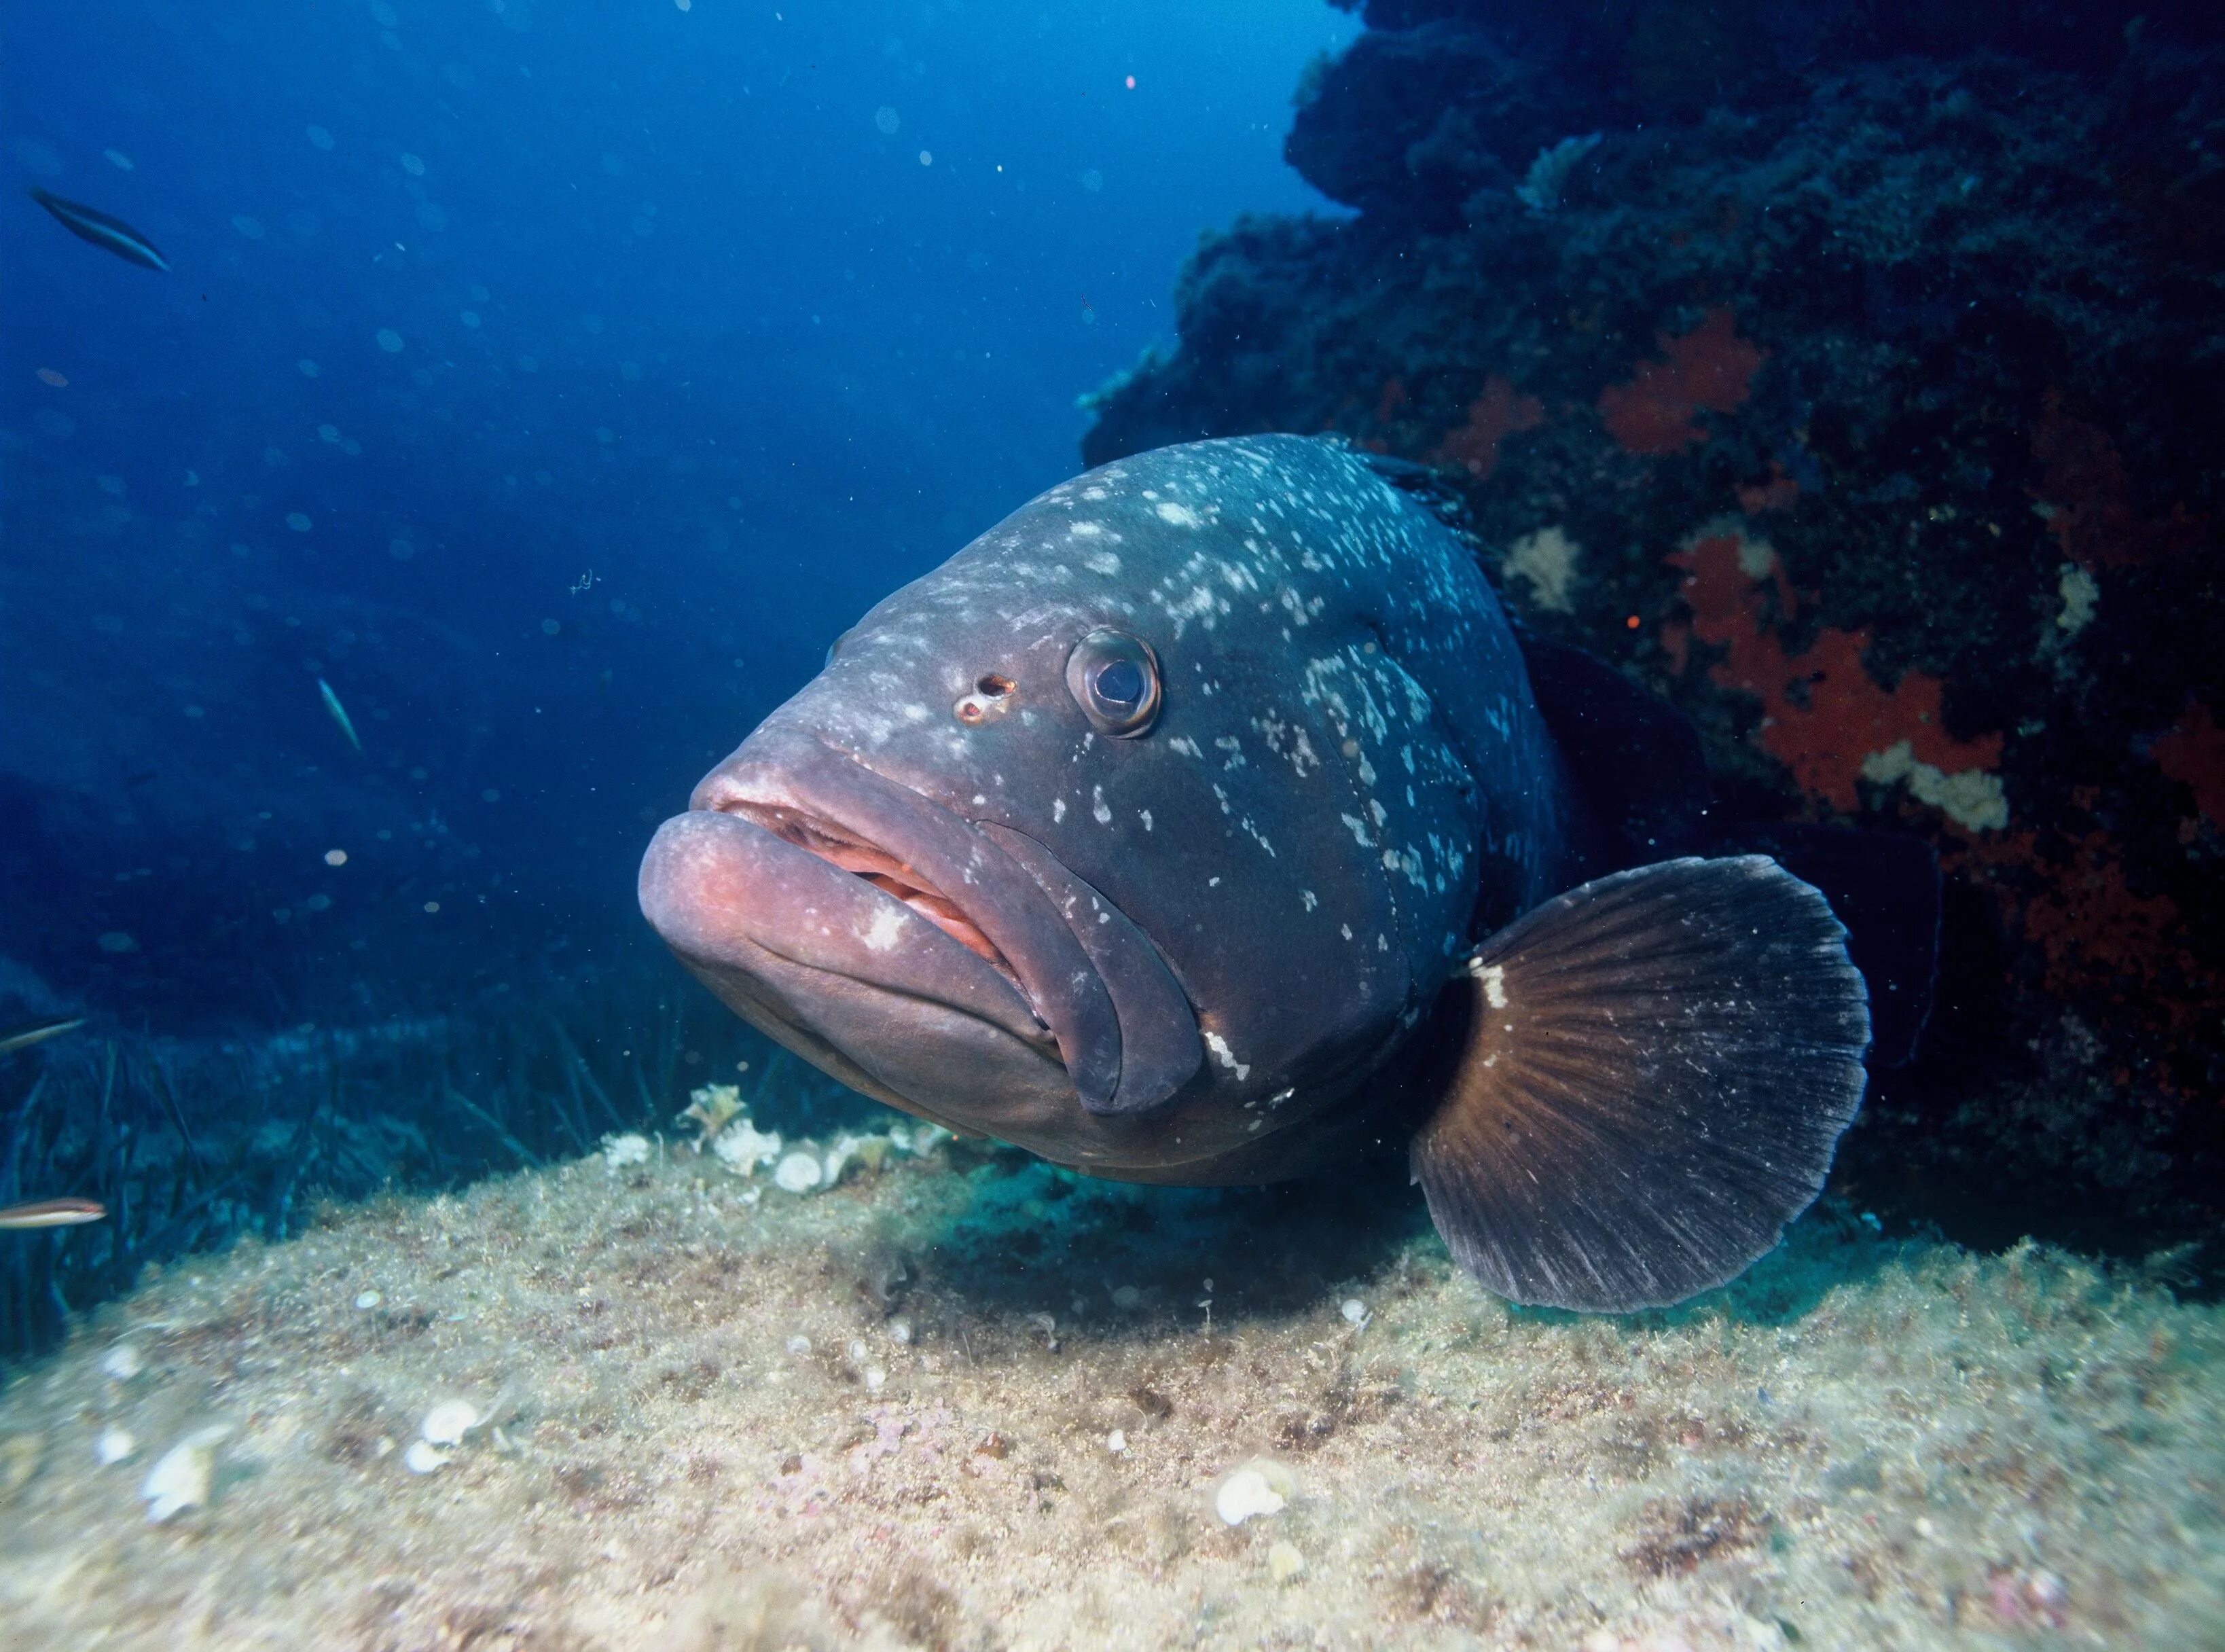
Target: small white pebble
{"points": [[876, 1378], [900, 1329], [1250, 1492], [368, 1299], [799, 1344], [183, 1476], [799, 1172], [422, 1459], [1117, 1441], [1925, 1527], [115, 1445], [1354, 1309], [124, 1362], [1284, 1562], [448, 1422]]}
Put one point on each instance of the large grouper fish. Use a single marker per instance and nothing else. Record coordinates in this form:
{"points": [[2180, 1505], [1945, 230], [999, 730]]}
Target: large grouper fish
{"points": [[1204, 822]]}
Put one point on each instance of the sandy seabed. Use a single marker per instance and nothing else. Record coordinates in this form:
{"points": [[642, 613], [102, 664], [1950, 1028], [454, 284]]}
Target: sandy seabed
{"points": [[981, 1403]]}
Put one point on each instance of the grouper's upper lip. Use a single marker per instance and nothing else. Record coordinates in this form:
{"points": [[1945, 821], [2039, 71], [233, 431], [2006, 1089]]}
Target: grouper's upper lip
{"points": [[939, 867], [885, 872]]}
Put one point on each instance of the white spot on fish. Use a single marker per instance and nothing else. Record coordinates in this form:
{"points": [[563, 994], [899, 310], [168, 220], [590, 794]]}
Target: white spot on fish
{"points": [[1493, 977], [886, 929], [1057, 810], [1146, 815], [1227, 1057], [1099, 807], [1180, 516]]}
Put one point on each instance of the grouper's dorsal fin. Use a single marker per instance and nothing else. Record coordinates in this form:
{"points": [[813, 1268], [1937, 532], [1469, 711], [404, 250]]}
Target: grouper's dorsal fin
{"points": [[1428, 487], [1645, 1080]]}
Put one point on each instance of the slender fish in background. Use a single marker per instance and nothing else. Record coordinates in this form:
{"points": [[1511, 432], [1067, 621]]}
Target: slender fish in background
{"points": [[112, 234], [339, 711], [1207, 821], [22, 1038], [52, 1213]]}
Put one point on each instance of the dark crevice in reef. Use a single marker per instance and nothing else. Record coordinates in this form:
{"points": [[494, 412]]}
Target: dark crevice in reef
{"points": [[1850, 375]]}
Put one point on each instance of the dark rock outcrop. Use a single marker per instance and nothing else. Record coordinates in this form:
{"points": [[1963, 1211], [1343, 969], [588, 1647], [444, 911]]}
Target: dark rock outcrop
{"points": [[1862, 397]]}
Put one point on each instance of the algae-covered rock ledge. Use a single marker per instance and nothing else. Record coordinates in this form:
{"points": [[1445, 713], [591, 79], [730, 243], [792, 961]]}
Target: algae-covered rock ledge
{"points": [[980, 1404]]}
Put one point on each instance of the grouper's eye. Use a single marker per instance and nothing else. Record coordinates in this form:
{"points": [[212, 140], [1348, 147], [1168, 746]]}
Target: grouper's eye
{"points": [[1114, 677]]}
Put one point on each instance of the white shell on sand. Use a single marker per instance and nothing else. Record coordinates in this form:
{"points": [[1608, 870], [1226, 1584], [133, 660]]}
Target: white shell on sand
{"points": [[1260, 1487], [447, 1423], [799, 1172], [183, 1476]]}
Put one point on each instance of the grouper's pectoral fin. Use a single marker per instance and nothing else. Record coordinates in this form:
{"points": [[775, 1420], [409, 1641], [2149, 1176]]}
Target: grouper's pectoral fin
{"points": [[1645, 1082]]}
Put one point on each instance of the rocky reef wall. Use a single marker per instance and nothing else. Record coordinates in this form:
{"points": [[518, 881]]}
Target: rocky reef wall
{"points": [[1852, 376]]}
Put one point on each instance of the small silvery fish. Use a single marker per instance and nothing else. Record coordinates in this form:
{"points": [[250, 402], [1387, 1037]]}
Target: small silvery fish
{"points": [[52, 1213], [112, 234], [339, 711], [1206, 821], [22, 1038]]}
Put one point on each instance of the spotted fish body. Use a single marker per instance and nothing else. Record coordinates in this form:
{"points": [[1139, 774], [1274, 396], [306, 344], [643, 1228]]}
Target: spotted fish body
{"points": [[1194, 947]]}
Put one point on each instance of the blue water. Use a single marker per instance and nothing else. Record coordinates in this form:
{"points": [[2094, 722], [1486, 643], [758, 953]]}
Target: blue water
{"points": [[554, 383]]}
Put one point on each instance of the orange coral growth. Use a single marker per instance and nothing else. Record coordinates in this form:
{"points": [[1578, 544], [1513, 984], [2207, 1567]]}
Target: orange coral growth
{"points": [[2094, 932], [1710, 368], [2085, 495], [1822, 716], [1492, 417], [2194, 752]]}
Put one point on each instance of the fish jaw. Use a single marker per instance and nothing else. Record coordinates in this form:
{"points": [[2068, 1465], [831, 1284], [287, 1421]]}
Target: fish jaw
{"points": [[844, 974]]}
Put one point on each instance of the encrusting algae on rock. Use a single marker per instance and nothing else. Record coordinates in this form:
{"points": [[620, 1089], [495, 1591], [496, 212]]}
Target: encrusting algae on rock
{"points": [[839, 1420]]}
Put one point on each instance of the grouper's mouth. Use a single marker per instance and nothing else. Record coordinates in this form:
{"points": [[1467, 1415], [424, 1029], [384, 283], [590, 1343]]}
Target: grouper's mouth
{"points": [[883, 870], [907, 950]]}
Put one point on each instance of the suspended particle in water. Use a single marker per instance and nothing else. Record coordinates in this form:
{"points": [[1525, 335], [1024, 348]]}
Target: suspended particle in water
{"points": [[335, 857], [319, 137], [887, 119], [927, 157], [389, 340]]}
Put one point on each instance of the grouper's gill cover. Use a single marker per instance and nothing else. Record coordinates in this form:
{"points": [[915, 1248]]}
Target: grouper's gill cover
{"points": [[1260, 895]]}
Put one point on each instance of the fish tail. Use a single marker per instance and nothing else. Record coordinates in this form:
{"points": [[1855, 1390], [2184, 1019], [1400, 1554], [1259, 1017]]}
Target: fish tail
{"points": [[1646, 1079]]}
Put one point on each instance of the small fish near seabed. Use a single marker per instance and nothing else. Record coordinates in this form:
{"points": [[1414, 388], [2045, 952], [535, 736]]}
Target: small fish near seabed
{"points": [[52, 1213], [1207, 821], [22, 1038], [111, 234]]}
